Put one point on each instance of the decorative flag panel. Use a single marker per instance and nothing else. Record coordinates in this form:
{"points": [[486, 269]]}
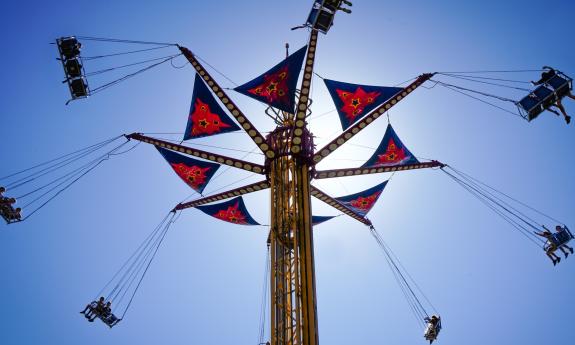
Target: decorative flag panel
{"points": [[316, 220], [231, 211], [206, 117], [353, 101], [193, 172], [390, 152], [277, 86], [362, 202]]}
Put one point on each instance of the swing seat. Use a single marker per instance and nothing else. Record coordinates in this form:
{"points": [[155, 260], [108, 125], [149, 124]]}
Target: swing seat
{"points": [[558, 239], [73, 68], [78, 88], [561, 84], [69, 47], [8, 212], [111, 320], [321, 16], [562, 237], [537, 102], [431, 332]]}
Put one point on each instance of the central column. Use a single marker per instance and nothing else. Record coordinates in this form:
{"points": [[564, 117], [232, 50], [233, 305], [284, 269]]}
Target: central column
{"points": [[293, 296]]}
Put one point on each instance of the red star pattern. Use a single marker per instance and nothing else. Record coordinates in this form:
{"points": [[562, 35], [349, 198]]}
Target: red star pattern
{"points": [[274, 88], [232, 215], [365, 204], [204, 121], [392, 155], [194, 176], [355, 103]]}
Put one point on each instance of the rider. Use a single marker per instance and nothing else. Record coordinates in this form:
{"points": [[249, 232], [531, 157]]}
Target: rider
{"points": [[552, 247], [546, 75], [564, 246], [93, 309], [432, 325]]}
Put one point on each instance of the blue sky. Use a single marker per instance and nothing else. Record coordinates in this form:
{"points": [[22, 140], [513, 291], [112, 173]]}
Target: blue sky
{"points": [[488, 282]]}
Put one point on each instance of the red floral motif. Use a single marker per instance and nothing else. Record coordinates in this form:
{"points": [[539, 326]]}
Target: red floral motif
{"points": [[274, 88], [392, 155], [355, 103], [204, 121], [365, 204], [194, 176], [232, 215]]}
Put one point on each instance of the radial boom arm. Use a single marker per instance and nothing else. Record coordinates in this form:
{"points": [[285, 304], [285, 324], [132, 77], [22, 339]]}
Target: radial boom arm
{"points": [[367, 171], [230, 105], [254, 187], [356, 128], [237, 163], [337, 205], [301, 110]]}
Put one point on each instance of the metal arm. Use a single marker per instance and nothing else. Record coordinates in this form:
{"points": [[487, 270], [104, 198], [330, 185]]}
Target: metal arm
{"points": [[254, 187], [353, 130], [301, 110], [236, 163], [337, 205], [230, 105], [367, 171]]}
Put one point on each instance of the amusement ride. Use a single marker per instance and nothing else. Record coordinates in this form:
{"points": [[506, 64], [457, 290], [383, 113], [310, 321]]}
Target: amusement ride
{"points": [[289, 168]]}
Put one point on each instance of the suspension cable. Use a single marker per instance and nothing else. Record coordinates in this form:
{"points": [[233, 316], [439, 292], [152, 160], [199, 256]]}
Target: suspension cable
{"points": [[417, 307], [507, 196], [61, 157], [503, 211], [116, 40], [132, 256], [486, 82], [110, 69], [171, 221], [128, 76], [123, 53], [456, 89], [264, 302]]}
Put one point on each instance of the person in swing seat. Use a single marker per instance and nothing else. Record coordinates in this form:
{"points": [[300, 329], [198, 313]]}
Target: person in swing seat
{"points": [[108, 317], [432, 328], [546, 75], [550, 251], [564, 247], [93, 309]]}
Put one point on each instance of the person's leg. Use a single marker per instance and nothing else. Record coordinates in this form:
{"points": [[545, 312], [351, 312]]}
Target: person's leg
{"points": [[564, 248], [564, 251], [550, 255], [562, 109], [557, 258], [553, 111], [570, 95]]}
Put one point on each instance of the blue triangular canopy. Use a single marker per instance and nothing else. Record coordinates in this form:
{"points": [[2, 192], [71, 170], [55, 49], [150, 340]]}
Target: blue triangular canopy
{"points": [[316, 220], [277, 86], [362, 202], [206, 117], [195, 173], [390, 152], [232, 211], [354, 101]]}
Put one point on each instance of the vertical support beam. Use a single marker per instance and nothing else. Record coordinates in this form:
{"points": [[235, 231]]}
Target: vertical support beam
{"points": [[229, 104], [306, 255], [293, 288], [302, 107]]}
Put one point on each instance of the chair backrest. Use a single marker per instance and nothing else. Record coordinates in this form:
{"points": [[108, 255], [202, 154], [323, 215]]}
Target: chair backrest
{"points": [[557, 82]]}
